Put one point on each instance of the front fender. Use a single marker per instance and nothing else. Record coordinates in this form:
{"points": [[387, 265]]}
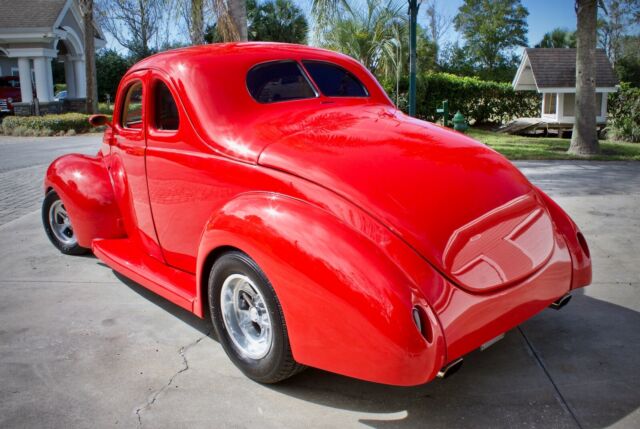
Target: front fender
{"points": [[347, 306], [84, 185]]}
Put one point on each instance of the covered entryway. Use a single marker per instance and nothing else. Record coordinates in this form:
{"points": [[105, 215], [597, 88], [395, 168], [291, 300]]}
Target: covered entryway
{"points": [[31, 41]]}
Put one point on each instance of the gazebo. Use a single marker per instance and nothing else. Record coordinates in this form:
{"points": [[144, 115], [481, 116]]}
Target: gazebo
{"points": [[32, 34], [552, 72]]}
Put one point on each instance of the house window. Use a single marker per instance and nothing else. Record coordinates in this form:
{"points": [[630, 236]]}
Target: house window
{"points": [[550, 103], [15, 71]]}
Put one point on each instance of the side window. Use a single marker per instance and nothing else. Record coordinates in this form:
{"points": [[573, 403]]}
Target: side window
{"points": [[166, 112], [334, 81], [278, 81], [132, 107]]}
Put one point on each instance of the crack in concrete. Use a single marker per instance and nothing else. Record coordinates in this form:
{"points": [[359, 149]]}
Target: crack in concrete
{"points": [[559, 396], [182, 352]]}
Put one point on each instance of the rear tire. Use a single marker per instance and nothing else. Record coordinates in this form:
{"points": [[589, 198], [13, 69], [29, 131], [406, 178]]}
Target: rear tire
{"points": [[248, 319], [58, 226]]}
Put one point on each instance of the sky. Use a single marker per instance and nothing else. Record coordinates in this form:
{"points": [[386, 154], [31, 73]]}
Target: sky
{"points": [[544, 16]]}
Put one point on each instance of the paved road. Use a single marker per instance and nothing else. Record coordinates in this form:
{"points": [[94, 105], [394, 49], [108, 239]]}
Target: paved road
{"points": [[81, 346], [23, 163]]}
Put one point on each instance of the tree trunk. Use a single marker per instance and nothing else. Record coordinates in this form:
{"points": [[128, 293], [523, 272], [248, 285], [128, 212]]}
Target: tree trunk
{"points": [[90, 57], [238, 12], [584, 140], [197, 22]]}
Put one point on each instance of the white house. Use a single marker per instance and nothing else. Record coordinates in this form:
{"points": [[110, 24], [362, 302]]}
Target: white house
{"points": [[552, 72], [32, 34]]}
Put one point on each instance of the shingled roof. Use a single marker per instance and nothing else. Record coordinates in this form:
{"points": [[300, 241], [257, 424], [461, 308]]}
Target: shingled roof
{"points": [[556, 68], [29, 13]]}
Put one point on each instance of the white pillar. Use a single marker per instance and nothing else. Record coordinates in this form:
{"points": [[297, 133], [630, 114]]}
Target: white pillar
{"points": [[42, 80], [49, 77], [81, 80], [70, 77], [24, 71]]}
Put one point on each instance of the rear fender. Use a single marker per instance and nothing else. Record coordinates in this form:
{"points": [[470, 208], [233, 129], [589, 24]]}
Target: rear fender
{"points": [[84, 185], [347, 306], [578, 248]]}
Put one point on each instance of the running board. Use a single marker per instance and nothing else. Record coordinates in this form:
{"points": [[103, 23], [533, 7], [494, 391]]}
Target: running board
{"points": [[124, 256]]}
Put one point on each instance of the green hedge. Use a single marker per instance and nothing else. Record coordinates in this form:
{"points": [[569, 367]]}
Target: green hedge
{"points": [[624, 114], [46, 125], [479, 101]]}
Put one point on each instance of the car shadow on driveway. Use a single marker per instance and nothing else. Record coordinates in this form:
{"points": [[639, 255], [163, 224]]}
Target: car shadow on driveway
{"points": [[577, 367]]}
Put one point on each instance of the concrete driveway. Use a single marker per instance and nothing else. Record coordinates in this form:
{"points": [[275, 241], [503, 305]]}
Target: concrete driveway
{"points": [[81, 346]]}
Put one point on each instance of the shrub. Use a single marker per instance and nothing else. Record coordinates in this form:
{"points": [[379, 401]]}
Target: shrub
{"points": [[479, 101], [624, 114], [45, 125]]}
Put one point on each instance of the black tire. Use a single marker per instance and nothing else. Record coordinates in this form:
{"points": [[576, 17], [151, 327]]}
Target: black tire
{"points": [[69, 247], [278, 364]]}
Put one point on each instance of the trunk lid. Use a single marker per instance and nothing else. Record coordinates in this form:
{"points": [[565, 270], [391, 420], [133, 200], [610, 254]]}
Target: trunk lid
{"points": [[459, 204]]}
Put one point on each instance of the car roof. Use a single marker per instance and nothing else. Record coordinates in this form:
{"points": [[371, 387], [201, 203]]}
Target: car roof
{"points": [[263, 50]]}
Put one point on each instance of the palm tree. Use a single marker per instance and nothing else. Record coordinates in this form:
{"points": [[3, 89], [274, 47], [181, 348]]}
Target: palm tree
{"points": [[370, 35], [325, 11], [584, 139]]}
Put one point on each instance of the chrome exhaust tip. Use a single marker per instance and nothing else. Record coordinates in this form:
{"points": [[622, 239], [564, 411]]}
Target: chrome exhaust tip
{"points": [[561, 302], [450, 368]]}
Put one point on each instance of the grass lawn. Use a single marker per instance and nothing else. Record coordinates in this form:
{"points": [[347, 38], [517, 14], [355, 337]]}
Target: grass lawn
{"points": [[519, 147]]}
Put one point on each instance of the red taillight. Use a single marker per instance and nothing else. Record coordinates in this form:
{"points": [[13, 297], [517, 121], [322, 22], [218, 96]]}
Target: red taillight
{"points": [[583, 244]]}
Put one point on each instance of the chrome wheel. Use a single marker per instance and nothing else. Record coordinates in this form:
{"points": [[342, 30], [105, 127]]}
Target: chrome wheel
{"points": [[246, 316], [61, 224]]}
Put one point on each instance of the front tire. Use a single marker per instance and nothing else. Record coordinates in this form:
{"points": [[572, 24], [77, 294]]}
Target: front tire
{"points": [[248, 319], [58, 226]]}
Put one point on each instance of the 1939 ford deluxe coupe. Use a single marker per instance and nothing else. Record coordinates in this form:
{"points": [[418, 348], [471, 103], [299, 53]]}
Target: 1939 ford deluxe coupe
{"points": [[278, 189]]}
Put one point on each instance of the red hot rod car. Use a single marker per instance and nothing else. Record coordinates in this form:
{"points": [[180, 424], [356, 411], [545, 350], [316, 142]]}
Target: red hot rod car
{"points": [[277, 188]]}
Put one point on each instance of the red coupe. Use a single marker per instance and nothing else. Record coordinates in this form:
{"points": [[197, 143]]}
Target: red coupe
{"points": [[278, 189]]}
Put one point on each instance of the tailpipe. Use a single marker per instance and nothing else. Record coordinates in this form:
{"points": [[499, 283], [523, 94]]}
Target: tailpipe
{"points": [[450, 368], [561, 302]]}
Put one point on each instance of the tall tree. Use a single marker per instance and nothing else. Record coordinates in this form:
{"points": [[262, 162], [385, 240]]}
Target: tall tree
{"points": [[86, 7], [193, 13], [584, 140], [491, 28], [620, 16], [438, 23], [231, 19], [558, 38], [133, 23]]}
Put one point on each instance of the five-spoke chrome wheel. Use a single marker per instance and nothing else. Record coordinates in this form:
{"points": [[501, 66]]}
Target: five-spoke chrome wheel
{"points": [[248, 319], [60, 224], [246, 316], [57, 225]]}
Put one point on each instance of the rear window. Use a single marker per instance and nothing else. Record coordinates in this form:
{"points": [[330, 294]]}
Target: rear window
{"points": [[334, 81], [278, 81]]}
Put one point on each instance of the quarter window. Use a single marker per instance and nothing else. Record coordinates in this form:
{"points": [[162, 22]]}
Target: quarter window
{"points": [[166, 112], [132, 107], [278, 81], [335, 81]]}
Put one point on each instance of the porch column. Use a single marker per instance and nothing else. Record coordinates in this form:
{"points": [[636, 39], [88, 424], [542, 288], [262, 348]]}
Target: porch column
{"points": [[81, 80], [43, 92], [24, 71], [70, 77], [47, 63]]}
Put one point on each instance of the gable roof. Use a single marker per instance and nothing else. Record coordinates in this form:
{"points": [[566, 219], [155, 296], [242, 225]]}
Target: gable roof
{"points": [[556, 68], [30, 13]]}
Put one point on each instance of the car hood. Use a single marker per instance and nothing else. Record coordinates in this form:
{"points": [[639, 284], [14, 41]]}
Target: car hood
{"points": [[459, 204]]}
